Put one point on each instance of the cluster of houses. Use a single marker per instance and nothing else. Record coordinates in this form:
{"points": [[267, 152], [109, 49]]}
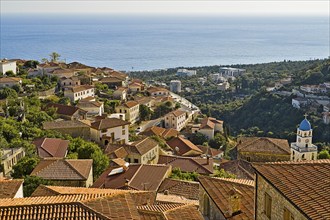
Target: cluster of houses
{"points": [[274, 180]]}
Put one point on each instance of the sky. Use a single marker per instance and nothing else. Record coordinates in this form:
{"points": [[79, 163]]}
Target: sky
{"points": [[169, 7]]}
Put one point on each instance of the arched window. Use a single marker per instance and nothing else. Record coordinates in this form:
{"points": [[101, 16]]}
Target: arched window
{"points": [[303, 156]]}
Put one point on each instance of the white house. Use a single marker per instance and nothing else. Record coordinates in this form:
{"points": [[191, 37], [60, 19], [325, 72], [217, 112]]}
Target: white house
{"points": [[69, 81], [76, 93], [303, 148], [223, 86], [208, 127], [110, 130], [175, 86], [231, 72], [120, 93], [7, 65], [93, 108], [185, 72], [158, 91], [175, 119], [131, 110]]}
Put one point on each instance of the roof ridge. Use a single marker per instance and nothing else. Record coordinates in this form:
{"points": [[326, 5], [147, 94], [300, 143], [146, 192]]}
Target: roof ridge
{"points": [[319, 161], [245, 182], [179, 207], [200, 165], [136, 172], [67, 162]]}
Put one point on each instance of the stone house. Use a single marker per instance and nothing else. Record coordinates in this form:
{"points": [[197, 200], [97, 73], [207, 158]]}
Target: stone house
{"points": [[9, 158], [109, 131], [66, 172], [292, 190], [112, 82], [68, 112], [158, 91], [224, 198], [135, 87], [10, 82], [69, 81], [74, 128], [131, 110], [176, 119], [120, 93], [208, 127], [145, 151], [263, 149], [76, 93]]}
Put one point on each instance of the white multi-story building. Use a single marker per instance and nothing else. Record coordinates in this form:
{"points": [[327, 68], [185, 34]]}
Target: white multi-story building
{"points": [[110, 130], [76, 93], [223, 86], [175, 86], [185, 72], [231, 72], [303, 148], [7, 65], [131, 110], [176, 119]]}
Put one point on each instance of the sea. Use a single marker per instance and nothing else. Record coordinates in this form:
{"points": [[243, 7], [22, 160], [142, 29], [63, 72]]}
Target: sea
{"points": [[132, 42]]}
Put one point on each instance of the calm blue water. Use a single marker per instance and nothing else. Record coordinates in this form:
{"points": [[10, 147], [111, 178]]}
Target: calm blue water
{"points": [[162, 42]]}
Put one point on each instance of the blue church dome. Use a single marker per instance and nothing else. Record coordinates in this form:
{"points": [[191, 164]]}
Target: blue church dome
{"points": [[305, 125]]}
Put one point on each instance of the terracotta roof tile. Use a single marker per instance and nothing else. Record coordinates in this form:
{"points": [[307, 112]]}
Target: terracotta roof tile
{"points": [[187, 189], [264, 144], [185, 146], [219, 190], [241, 168], [9, 188], [188, 164], [305, 184], [144, 145], [51, 147], [185, 212], [137, 176], [130, 104], [64, 124], [161, 132], [108, 123], [63, 169], [10, 79], [64, 109], [177, 113]]}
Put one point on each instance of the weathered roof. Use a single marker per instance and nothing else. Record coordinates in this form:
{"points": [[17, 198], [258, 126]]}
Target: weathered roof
{"points": [[176, 113], [82, 206], [115, 151], [112, 79], [184, 145], [142, 146], [305, 184], [188, 164], [64, 109], [9, 188], [108, 123], [156, 89], [240, 168], [51, 147], [64, 124], [136, 176], [187, 189], [63, 169], [130, 104], [219, 189], [89, 104], [264, 144], [161, 132], [207, 124], [209, 150], [10, 79], [80, 88]]}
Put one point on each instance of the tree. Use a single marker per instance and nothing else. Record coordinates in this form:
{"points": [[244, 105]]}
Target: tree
{"points": [[32, 182], [178, 174], [198, 138], [223, 174], [25, 166], [54, 57], [324, 154], [10, 73], [145, 112], [64, 101], [8, 93]]}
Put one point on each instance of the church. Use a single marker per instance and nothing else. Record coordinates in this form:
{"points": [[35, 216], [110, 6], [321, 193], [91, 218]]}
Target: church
{"points": [[303, 148]]}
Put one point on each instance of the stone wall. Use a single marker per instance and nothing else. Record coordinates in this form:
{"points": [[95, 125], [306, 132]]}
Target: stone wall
{"points": [[207, 207], [262, 157], [278, 202]]}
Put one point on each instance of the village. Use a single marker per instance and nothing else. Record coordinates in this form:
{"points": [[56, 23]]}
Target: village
{"points": [[164, 158]]}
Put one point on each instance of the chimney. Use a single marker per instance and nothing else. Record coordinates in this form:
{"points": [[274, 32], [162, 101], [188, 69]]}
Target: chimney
{"points": [[207, 159], [234, 202]]}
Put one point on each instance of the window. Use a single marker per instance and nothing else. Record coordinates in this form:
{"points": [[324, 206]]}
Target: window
{"points": [[123, 132], [312, 156], [268, 206], [136, 160], [248, 159], [287, 215]]}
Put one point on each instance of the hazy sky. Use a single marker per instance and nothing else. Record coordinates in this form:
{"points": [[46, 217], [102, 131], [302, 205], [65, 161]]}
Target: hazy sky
{"points": [[179, 7]]}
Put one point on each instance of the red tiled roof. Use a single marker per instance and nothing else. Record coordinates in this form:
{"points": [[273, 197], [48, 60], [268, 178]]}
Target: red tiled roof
{"points": [[115, 151], [51, 147], [187, 189], [130, 104], [161, 132], [143, 146], [188, 164], [185, 146], [263, 144], [219, 190], [10, 79], [305, 184], [64, 109], [177, 113], [9, 188], [64, 124], [108, 123], [63, 169], [137, 176]]}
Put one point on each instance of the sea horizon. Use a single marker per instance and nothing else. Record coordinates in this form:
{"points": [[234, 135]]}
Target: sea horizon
{"points": [[162, 42]]}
